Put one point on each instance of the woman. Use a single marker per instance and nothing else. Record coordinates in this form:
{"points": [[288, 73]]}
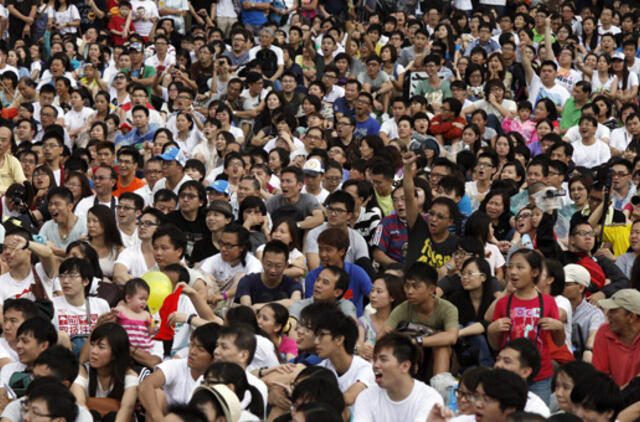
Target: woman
{"points": [[474, 78], [253, 217], [278, 159], [119, 92], [497, 206], [504, 151], [605, 112], [626, 260], [42, 180], [461, 68], [234, 377], [104, 237], [627, 81], [603, 81], [9, 81], [370, 147], [264, 127], [513, 170], [19, 59], [444, 33], [186, 135], [286, 231], [79, 186], [497, 70], [478, 226], [590, 37], [472, 302], [102, 103], [217, 216], [99, 131], [387, 293], [543, 128], [579, 187], [273, 320], [307, 61], [566, 377], [232, 263], [224, 116], [465, 392], [79, 118], [108, 373], [66, 18]]}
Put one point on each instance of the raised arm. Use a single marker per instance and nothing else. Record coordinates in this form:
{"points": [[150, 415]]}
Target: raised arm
{"points": [[526, 64], [407, 184]]}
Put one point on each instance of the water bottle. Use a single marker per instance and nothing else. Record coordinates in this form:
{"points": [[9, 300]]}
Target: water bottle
{"points": [[527, 242]]}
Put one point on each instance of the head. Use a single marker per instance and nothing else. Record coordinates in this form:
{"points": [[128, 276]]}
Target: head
{"points": [[236, 343], [335, 333], [420, 283], [35, 335], [499, 393]]}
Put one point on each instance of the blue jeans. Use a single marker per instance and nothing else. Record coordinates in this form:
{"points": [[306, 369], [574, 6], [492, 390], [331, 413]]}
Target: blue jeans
{"points": [[543, 389]]}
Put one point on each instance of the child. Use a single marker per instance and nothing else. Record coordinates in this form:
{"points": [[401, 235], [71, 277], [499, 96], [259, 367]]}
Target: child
{"points": [[89, 78], [273, 318], [521, 124], [132, 313], [120, 25], [529, 314]]}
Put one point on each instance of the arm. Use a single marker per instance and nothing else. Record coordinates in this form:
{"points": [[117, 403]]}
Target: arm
{"points": [[314, 220], [295, 296], [547, 40], [78, 391], [352, 393], [127, 405], [198, 299], [120, 274], [382, 258], [145, 358], [48, 259], [99, 12], [526, 64], [313, 260], [409, 188], [445, 338], [472, 330], [147, 395]]}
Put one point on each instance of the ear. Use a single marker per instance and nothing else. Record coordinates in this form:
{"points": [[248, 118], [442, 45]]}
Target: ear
{"points": [[525, 372]]}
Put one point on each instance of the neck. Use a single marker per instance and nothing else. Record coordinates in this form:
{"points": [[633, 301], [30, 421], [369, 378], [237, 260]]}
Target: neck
{"points": [[341, 361], [21, 271], [98, 242], [126, 180], [440, 237], [53, 164], [146, 246], [294, 199], [476, 294], [402, 389], [427, 306], [68, 222], [128, 228], [190, 215], [589, 141], [623, 191], [104, 197], [215, 236], [527, 292], [382, 314], [75, 300]]}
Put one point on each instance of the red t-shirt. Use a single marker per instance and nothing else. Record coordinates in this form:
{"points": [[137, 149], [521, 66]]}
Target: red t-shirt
{"points": [[524, 323], [117, 23], [613, 357]]}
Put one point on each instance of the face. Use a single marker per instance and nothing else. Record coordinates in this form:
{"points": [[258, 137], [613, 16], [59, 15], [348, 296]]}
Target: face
{"points": [[332, 179], [230, 249], [59, 209], [487, 408], [584, 238], [13, 251], [12, 321], [621, 176], [324, 288], [534, 174], [386, 368], [379, 296], [267, 321], [28, 348], [564, 385], [418, 292], [41, 180], [189, 200], [100, 353], [199, 357], [439, 219], [164, 252], [521, 274], [578, 193], [274, 265], [226, 351], [289, 185], [471, 277]]}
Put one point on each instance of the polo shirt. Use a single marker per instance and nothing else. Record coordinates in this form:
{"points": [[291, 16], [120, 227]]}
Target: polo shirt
{"points": [[611, 356], [359, 284]]}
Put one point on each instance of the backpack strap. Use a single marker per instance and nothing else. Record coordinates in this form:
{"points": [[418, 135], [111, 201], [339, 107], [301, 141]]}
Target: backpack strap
{"points": [[37, 288]]}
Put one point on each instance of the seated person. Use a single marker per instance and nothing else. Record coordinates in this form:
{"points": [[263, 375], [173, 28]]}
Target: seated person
{"points": [[15, 312], [330, 286]]}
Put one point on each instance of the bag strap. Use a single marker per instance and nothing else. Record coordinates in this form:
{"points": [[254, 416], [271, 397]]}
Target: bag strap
{"points": [[540, 305], [87, 303], [37, 288]]}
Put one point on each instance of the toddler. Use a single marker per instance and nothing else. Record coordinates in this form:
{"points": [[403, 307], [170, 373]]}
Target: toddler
{"points": [[522, 123], [133, 316]]}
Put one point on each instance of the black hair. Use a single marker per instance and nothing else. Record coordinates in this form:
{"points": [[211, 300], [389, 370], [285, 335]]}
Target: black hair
{"points": [[529, 356], [137, 200], [81, 265], [164, 195], [207, 335], [132, 286], [61, 192], [186, 412], [319, 389], [243, 239], [231, 373], [318, 412], [40, 328], [422, 272], [403, 349], [597, 392], [338, 324], [60, 361], [61, 403], [477, 225], [176, 236], [277, 247], [508, 388], [107, 220], [118, 340], [244, 338]]}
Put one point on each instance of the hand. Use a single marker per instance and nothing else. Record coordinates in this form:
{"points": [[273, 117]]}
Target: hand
{"points": [[186, 289], [439, 413], [107, 317], [550, 324], [408, 159], [502, 324], [547, 22], [278, 397], [176, 318], [504, 246], [366, 351], [594, 298], [29, 21], [492, 98], [606, 252]]}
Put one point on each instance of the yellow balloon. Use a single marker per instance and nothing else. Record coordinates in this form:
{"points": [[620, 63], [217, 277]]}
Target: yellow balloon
{"points": [[160, 287]]}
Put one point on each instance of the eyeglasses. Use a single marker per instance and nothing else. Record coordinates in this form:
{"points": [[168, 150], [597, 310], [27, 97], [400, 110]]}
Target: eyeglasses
{"points": [[225, 245], [146, 223], [332, 210], [463, 394], [585, 233], [333, 179], [464, 275], [126, 162], [523, 216], [125, 208], [318, 336], [120, 77], [67, 276], [619, 174], [50, 145], [101, 178], [476, 397], [438, 216], [275, 266]]}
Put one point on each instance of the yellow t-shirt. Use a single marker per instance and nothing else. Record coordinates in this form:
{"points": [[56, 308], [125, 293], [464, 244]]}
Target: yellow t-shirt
{"points": [[10, 172]]}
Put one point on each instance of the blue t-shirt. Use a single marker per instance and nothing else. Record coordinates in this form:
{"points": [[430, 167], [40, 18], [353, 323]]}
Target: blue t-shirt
{"points": [[464, 206], [342, 106], [369, 127], [359, 284], [306, 359], [254, 16], [251, 285]]}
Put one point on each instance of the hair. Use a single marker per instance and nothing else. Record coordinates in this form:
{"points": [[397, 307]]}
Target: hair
{"points": [[277, 247], [318, 412], [336, 237], [577, 370], [477, 225], [185, 412], [107, 220], [26, 307], [177, 237], [243, 239], [82, 266], [403, 349], [61, 403], [319, 388], [533, 258], [423, 273], [338, 324], [471, 377], [40, 328], [529, 356], [294, 232], [61, 361], [244, 338], [207, 335], [597, 392], [508, 388], [132, 286], [118, 340], [232, 373], [555, 269], [280, 314], [394, 286], [137, 200]]}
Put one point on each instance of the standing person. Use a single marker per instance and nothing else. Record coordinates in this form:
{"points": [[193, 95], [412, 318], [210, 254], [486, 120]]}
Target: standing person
{"points": [[528, 313], [22, 14], [10, 168], [144, 17], [396, 395]]}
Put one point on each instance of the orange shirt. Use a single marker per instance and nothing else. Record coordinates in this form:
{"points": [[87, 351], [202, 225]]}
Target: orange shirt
{"points": [[133, 186]]}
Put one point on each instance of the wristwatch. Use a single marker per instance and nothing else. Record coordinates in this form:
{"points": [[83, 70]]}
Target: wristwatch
{"points": [[190, 318], [418, 340]]}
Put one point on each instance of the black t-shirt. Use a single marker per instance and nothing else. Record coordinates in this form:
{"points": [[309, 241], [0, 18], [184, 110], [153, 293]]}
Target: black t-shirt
{"points": [[22, 6], [251, 285], [88, 18], [194, 230], [203, 249], [423, 249]]}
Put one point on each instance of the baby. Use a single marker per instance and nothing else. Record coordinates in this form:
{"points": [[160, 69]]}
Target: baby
{"points": [[133, 316], [522, 123]]}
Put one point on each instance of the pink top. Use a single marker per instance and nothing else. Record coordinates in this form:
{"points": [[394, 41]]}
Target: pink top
{"points": [[526, 129], [288, 346], [138, 332]]}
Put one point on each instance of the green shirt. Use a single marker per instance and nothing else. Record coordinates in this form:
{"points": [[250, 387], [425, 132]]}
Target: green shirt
{"points": [[147, 71], [444, 316], [538, 38], [425, 88], [385, 203], [570, 114]]}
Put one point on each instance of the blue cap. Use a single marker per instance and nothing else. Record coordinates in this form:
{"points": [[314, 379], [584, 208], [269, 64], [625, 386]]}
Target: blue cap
{"points": [[173, 154], [221, 186]]}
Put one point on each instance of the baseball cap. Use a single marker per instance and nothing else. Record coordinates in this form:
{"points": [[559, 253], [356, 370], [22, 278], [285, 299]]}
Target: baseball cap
{"points": [[173, 154], [221, 206], [313, 167], [297, 153], [227, 399], [628, 299], [617, 56], [221, 186], [574, 273], [136, 46]]}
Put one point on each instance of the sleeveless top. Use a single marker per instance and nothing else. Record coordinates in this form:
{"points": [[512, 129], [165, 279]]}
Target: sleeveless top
{"points": [[138, 332]]}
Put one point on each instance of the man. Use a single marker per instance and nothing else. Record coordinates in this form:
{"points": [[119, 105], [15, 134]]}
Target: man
{"points": [[572, 110], [15, 312], [484, 40], [253, 14], [175, 379], [447, 125], [396, 395], [313, 175], [27, 130], [106, 153], [271, 285], [64, 227], [543, 86], [617, 344], [537, 172], [306, 209], [248, 186], [270, 56], [346, 105], [428, 241], [128, 211], [152, 174], [135, 261], [339, 212], [333, 90], [389, 128], [499, 394], [292, 98], [162, 59], [330, 286], [521, 357], [28, 161], [190, 218], [52, 144], [22, 15], [623, 187], [622, 136], [375, 81], [389, 241], [252, 101], [423, 307], [382, 181], [173, 161], [24, 280], [237, 344], [140, 73], [128, 159], [415, 51], [597, 398], [606, 27], [365, 124], [336, 337], [586, 318], [239, 54], [104, 183], [363, 221], [142, 131], [589, 151], [333, 244]]}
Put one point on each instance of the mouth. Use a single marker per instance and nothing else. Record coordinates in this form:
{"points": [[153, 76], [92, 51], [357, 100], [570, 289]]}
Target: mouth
{"points": [[378, 377]]}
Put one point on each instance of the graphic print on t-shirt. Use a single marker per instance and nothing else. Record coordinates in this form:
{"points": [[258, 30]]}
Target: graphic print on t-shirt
{"points": [[429, 255], [524, 321], [76, 324]]}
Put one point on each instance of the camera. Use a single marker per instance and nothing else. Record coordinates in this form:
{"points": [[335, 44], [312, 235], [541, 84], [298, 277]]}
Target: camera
{"points": [[555, 193], [19, 196]]}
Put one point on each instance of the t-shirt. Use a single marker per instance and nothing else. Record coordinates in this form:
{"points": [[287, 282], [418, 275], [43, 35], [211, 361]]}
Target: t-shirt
{"points": [[133, 259], [73, 319], [444, 316], [302, 209], [524, 315], [369, 127], [194, 230], [537, 91], [10, 288], [251, 285], [357, 245], [10, 172], [374, 404], [590, 156], [359, 371], [179, 384], [222, 271], [423, 249], [50, 232], [265, 355], [359, 284], [146, 9]]}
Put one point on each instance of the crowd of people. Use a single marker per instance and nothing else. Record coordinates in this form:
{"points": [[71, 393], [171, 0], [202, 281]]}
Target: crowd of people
{"points": [[319, 210]]}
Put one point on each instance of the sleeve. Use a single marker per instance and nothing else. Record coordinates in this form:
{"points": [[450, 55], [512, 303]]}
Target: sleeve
{"points": [[450, 316], [600, 360], [13, 411], [363, 408], [75, 15], [396, 316], [16, 170], [613, 273], [130, 381], [125, 258], [348, 308], [365, 375], [82, 382], [169, 370], [360, 248], [438, 127], [244, 287], [311, 204], [500, 310], [311, 244], [381, 238]]}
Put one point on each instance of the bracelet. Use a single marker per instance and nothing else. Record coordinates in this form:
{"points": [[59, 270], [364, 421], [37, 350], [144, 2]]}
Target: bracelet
{"points": [[190, 318], [225, 295]]}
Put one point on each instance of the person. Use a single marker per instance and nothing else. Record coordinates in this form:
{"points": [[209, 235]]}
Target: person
{"points": [[303, 206], [190, 217], [596, 398], [64, 227], [513, 316], [272, 285], [104, 237], [521, 357], [616, 342], [15, 312], [133, 316], [218, 214], [395, 394], [108, 373], [272, 319], [234, 378], [217, 403], [104, 181], [437, 317], [10, 168], [565, 379], [173, 381], [128, 211], [128, 159], [543, 86], [173, 162], [499, 394]]}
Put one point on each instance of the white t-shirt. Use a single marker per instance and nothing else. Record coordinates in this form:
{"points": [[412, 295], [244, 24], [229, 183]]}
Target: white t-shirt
{"points": [[223, 271], [568, 78], [133, 259], [160, 65], [494, 257], [573, 133], [76, 119], [359, 371], [69, 15], [321, 197], [357, 245], [13, 412], [374, 404], [632, 81], [130, 241], [620, 138], [260, 386], [271, 144], [162, 184], [592, 155], [73, 319], [85, 204], [8, 370], [564, 304], [7, 352], [265, 355], [142, 9], [179, 384], [536, 405], [390, 128], [182, 331], [129, 381], [10, 288], [537, 91]]}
